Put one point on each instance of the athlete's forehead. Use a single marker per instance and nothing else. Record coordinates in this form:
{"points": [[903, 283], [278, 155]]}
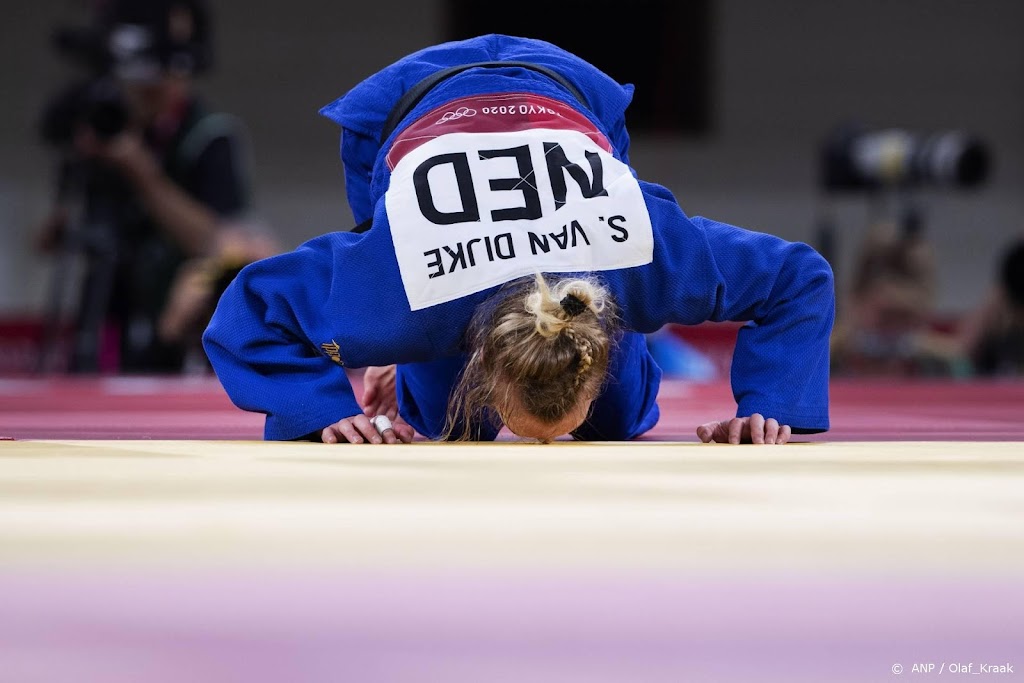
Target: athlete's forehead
{"points": [[527, 426]]}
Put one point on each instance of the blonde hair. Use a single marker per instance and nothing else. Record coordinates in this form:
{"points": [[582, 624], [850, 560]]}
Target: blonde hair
{"points": [[538, 346]]}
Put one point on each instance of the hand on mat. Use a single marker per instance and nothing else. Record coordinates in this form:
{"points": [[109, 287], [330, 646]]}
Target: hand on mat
{"points": [[359, 429], [379, 397], [753, 429]]}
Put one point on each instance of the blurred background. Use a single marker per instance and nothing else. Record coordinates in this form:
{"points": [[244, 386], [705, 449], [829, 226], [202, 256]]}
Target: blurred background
{"points": [[151, 148], [887, 134]]}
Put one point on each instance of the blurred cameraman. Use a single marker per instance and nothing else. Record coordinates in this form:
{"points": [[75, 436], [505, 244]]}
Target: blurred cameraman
{"points": [[992, 336], [885, 324], [148, 173], [887, 320]]}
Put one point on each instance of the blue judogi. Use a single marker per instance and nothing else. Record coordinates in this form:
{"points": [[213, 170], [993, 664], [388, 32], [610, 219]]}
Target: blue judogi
{"points": [[494, 174]]}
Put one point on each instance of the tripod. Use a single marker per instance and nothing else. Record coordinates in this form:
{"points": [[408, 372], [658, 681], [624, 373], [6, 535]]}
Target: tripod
{"points": [[91, 234]]}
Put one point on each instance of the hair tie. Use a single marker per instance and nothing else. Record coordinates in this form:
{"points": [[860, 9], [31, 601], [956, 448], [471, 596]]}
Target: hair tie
{"points": [[572, 305]]}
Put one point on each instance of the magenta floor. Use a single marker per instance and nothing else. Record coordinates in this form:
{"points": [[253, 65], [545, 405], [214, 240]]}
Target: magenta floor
{"points": [[197, 408]]}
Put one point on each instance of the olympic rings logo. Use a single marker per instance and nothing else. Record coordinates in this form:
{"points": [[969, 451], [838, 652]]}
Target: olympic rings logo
{"points": [[457, 114]]}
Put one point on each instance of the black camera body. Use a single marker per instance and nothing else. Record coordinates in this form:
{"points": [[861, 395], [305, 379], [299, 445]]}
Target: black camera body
{"points": [[129, 40], [97, 103], [856, 158]]}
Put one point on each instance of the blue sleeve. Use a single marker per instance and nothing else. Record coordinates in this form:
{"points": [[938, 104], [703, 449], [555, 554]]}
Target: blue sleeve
{"points": [[785, 292], [260, 344], [704, 270]]}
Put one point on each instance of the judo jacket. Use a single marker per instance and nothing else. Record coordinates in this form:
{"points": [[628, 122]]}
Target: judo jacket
{"points": [[496, 173]]}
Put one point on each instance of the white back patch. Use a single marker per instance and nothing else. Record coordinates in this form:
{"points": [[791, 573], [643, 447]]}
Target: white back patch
{"points": [[472, 210]]}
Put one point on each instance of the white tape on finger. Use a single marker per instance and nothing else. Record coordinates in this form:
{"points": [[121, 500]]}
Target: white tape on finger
{"points": [[382, 424]]}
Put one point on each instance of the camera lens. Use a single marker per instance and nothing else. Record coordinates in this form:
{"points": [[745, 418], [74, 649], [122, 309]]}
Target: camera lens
{"points": [[106, 112], [860, 159], [953, 159]]}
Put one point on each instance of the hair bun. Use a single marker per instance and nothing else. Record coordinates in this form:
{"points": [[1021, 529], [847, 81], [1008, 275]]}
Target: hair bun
{"points": [[572, 305]]}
